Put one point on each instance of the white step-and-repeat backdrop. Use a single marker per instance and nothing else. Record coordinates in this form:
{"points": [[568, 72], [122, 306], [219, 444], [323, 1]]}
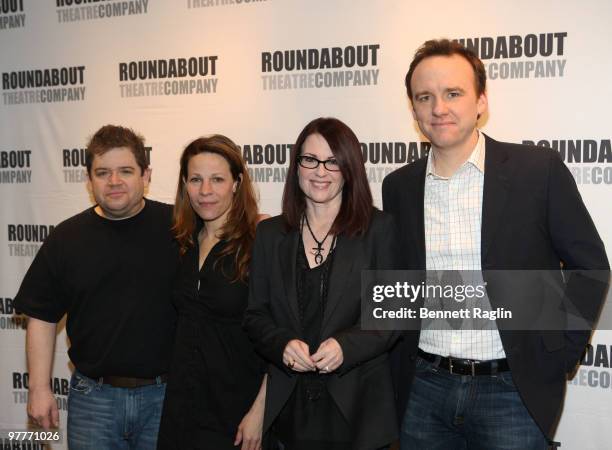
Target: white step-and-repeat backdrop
{"points": [[258, 71]]}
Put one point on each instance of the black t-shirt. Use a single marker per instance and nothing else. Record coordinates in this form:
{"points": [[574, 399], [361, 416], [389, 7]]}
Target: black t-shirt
{"points": [[114, 278]]}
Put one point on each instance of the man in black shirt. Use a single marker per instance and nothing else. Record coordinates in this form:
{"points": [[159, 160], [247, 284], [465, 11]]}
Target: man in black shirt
{"points": [[110, 269]]}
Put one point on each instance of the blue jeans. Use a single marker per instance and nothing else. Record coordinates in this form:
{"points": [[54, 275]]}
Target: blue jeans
{"points": [[102, 417], [459, 412]]}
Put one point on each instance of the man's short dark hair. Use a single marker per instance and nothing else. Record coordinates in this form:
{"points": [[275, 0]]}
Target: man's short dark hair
{"points": [[446, 47], [113, 136]]}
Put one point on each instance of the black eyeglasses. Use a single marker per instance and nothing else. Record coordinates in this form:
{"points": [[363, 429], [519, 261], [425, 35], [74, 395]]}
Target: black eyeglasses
{"points": [[310, 162]]}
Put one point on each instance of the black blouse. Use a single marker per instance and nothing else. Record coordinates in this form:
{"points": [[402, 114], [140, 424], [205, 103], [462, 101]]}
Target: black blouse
{"points": [[311, 419]]}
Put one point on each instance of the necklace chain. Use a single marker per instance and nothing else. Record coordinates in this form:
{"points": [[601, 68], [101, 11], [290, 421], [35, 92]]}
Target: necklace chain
{"points": [[318, 250]]}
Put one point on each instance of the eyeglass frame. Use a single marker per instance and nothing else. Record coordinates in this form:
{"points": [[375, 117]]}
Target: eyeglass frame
{"points": [[299, 161]]}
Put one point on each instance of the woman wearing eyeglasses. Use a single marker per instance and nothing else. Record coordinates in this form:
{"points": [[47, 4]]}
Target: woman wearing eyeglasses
{"points": [[329, 385]]}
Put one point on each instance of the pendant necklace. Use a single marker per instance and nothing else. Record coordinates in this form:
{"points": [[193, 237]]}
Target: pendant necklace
{"points": [[318, 250]]}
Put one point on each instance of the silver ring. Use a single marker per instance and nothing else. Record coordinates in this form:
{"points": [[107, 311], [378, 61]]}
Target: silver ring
{"points": [[326, 369]]}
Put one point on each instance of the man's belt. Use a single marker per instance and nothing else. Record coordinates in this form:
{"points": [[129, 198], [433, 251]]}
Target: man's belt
{"points": [[131, 382], [466, 366]]}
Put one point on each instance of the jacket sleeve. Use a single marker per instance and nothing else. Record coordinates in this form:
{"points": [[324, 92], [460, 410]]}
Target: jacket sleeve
{"points": [[269, 338], [581, 250], [359, 346]]}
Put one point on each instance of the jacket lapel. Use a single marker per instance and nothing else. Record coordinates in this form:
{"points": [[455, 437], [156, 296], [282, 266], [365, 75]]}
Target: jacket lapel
{"points": [[495, 193], [413, 201], [288, 252], [346, 253]]}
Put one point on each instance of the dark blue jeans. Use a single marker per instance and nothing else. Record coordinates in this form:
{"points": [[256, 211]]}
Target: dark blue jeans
{"points": [[460, 412], [102, 417]]}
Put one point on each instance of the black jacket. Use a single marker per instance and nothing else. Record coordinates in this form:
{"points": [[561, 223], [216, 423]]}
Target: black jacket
{"points": [[533, 218]]}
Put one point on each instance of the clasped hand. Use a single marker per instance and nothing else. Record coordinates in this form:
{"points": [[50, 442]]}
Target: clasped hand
{"points": [[327, 358]]}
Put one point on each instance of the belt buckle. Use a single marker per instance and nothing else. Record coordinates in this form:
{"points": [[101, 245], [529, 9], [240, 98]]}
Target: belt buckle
{"points": [[472, 366]]}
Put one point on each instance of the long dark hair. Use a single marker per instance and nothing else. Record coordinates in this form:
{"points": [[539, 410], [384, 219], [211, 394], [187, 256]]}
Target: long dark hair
{"points": [[357, 204], [239, 228]]}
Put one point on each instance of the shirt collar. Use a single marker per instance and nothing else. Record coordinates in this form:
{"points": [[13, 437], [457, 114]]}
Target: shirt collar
{"points": [[476, 159]]}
